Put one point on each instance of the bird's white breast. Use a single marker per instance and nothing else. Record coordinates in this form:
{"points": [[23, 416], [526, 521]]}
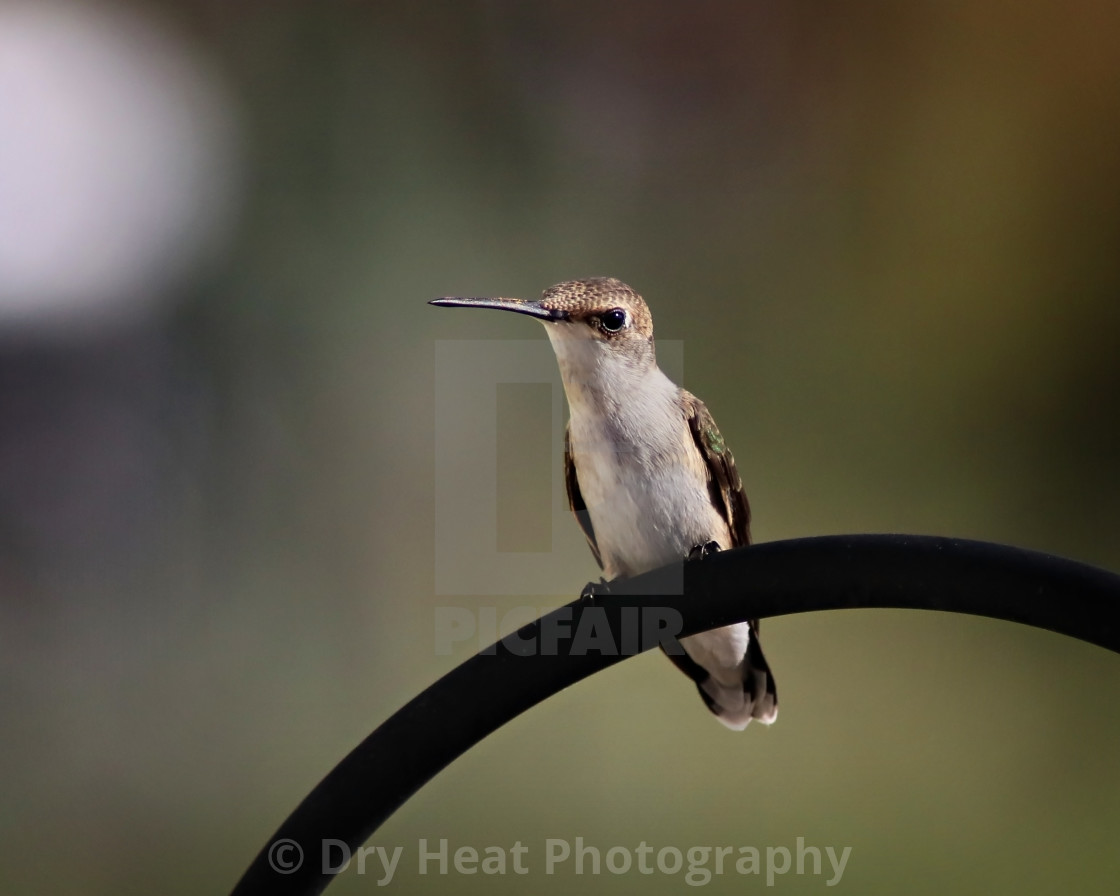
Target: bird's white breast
{"points": [[641, 475]]}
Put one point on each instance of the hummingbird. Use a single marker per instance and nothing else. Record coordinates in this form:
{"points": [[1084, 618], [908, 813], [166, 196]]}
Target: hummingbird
{"points": [[648, 475]]}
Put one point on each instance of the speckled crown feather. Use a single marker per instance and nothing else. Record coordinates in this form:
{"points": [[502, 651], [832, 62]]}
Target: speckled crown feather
{"points": [[581, 298]]}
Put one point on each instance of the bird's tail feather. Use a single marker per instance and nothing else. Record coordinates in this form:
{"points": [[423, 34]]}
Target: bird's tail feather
{"points": [[735, 692]]}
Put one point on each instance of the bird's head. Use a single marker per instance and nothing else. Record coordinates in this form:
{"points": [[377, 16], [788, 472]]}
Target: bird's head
{"points": [[587, 321]]}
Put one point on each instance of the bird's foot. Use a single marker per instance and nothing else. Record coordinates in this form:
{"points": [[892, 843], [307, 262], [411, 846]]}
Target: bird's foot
{"points": [[593, 589], [700, 551]]}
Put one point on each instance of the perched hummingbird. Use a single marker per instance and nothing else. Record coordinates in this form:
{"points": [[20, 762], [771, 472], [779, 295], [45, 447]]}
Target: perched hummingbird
{"points": [[648, 475]]}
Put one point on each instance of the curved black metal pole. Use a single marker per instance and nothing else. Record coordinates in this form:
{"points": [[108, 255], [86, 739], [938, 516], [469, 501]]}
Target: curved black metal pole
{"points": [[567, 645]]}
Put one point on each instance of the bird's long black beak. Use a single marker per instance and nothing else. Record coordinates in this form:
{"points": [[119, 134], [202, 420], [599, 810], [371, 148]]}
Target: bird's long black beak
{"points": [[520, 306]]}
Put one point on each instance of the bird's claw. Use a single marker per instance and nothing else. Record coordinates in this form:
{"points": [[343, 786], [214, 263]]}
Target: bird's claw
{"points": [[593, 589], [700, 551]]}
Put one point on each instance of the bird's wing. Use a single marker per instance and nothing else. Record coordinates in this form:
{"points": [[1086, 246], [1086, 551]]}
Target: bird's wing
{"points": [[723, 479], [575, 498]]}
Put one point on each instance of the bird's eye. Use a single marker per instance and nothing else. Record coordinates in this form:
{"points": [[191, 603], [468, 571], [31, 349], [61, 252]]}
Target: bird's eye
{"points": [[614, 320]]}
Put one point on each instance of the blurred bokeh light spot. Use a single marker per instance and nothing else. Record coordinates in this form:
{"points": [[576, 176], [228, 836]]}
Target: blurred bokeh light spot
{"points": [[117, 165]]}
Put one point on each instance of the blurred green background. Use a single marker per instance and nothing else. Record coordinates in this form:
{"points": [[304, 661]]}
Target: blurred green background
{"points": [[886, 236]]}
